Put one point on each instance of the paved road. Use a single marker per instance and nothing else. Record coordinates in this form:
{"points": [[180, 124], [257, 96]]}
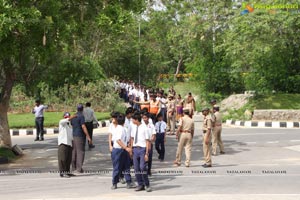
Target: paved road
{"points": [[258, 164]]}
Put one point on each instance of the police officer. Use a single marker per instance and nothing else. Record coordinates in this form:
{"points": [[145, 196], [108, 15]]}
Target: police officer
{"points": [[207, 128], [217, 140], [185, 134]]}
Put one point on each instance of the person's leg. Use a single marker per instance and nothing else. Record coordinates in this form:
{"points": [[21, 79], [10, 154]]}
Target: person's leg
{"points": [[214, 141], [74, 153], [157, 145], [150, 160], [143, 167], [37, 129], [136, 165], [172, 124], [179, 149], [60, 159], [220, 142], [206, 150], [69, 158], [188, 149], [116, 158], [80, 154], [162, 144], [42, 128]]}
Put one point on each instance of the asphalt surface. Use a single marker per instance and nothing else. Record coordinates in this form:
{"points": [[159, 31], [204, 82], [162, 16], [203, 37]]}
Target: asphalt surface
{"points": [[258, 164]]}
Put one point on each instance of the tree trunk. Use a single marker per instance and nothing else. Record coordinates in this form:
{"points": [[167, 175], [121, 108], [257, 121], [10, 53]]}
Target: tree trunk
{"points": [[5, 139]]}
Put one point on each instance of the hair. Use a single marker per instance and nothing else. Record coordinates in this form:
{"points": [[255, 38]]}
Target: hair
{"points": [[88, 104], [80, 107], [129, 110], [137, 116], [146, 114], [190, 93], [145, 110], [159, 115], [38, 101], [216, 108], [187, 112], [121, 119], [114, 114]]}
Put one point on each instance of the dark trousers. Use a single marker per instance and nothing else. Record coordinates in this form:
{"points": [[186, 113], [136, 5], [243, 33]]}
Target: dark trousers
{"points": [[89, 127], [160, 145], [39, 124], [140, 166], [125, 166], [64, 158], [78, 153], [150, 160], [116, 158]]}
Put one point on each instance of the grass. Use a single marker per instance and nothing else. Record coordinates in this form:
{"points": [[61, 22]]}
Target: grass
{"points": [[7, 153], [277, 101], [26, 120]]}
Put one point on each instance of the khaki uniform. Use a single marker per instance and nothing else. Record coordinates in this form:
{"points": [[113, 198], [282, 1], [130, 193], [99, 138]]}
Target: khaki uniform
{"points": [[217, 140], [185, 139], [171, 115], [207, 125]]}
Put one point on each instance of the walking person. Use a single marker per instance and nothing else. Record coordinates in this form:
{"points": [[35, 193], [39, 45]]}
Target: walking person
{"points": [[160, 127], [171, 114], [79, 134], [152, 136], [217, 130], [38, 112], [179, 107], [207, 128], [190, 104], [140, 143], [185, 134], [90, 119], [65, 139], [119, 154]]}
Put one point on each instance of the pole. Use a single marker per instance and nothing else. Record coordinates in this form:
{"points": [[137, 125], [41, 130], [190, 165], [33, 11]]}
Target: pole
{"points": [[139, 52]]}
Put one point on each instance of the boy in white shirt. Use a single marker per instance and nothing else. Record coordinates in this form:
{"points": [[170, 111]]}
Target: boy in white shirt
{"points": [[160, 127]]}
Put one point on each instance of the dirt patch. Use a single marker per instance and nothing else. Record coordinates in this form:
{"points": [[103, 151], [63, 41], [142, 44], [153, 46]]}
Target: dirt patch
{"points": [[235, 101]]}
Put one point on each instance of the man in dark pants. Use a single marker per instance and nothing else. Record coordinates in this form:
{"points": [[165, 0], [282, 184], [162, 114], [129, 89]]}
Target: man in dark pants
{"points": [[160, 128], [140, 142], [38, 111], [65, 138], [90, 118], [79, 133]]}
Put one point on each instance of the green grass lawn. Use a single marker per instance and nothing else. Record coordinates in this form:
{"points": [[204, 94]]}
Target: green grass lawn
{"points": [[26, 120], [277, 101]]}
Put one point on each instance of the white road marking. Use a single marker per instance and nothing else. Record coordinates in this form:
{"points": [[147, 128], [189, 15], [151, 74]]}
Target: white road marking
{"points": [[273, 142], [294, 148]]}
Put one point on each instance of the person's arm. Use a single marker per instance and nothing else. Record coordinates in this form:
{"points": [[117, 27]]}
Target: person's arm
{"points": [[193, 130], [148, 147], [86, 133], [159, 108], [123, 146]]}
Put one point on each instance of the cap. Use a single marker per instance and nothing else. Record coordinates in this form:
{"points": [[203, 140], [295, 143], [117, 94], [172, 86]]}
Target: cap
{"points": [[67, 115], [80, 107], [205, 109]]}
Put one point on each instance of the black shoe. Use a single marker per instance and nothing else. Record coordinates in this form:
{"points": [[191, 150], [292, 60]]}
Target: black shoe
{"points": [[140, 188], [222, 152], [206, 166], [91, 146], [114, 186], [150, 174], [36, 139], [42, 139], [161, 160], [71, 175]]}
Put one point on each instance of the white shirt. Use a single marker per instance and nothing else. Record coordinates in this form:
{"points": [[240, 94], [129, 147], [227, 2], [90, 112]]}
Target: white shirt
{"points": [[65, 135], [163, 126], [163, 103], [38, 111], [151, 130], [120, 134], [112, 130], [128, 126], [143, 135]]}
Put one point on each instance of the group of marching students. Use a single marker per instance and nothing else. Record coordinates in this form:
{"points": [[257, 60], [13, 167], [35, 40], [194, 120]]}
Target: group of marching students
{"points": [[131, 138]]}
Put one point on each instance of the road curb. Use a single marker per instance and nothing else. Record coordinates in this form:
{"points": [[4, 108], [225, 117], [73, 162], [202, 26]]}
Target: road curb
{"points": [[263, 124], [47, 131]]}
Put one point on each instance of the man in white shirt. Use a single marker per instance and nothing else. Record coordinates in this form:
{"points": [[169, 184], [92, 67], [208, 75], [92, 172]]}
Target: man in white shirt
{"points": [[160, 128], [65, 138], [140, 142], [38, 111], [152, 136]]}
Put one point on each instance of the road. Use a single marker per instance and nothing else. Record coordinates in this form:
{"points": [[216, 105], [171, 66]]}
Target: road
{"points": [[258, 164]]}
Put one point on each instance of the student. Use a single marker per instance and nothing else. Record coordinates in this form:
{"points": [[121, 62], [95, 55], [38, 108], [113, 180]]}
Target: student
{"points": [[160, 127], [120, 153], [152, 136], [140, 143]]}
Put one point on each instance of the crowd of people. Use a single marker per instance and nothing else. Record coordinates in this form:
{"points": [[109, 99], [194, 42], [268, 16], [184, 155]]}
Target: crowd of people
{"points": [[134, 135]]}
